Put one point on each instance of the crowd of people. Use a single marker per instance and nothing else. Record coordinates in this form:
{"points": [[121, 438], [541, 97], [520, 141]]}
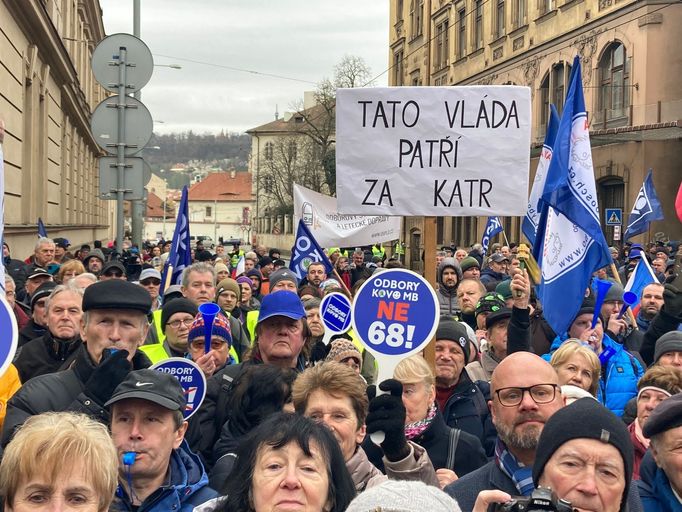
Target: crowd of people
{"points": [[507, 408]]}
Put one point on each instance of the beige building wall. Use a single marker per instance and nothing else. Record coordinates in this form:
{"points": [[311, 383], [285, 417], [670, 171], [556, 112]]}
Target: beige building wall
{"points": [[222, 218], [46, 98], [634, 104]]}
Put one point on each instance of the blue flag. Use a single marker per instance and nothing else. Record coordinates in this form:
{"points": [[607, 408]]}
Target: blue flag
{"points": [[42, 232], [530, 221], [570, 243], [180, 255], [646, 209], [305, 251], [492, 227], [642, 276]]}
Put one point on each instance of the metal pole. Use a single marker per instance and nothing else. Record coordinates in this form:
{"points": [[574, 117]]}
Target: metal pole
{"points": [[138, 207], [120, 147]]}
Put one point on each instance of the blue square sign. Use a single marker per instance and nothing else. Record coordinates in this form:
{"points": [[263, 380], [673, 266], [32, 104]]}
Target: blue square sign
{"points": [[614, 216]]}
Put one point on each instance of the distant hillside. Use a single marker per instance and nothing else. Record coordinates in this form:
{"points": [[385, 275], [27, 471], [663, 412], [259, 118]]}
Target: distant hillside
{"points": [[230, 150]]}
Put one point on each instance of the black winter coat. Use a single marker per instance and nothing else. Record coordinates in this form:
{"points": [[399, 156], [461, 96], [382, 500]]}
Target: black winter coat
{"points": [[46, 354], [30, 332], [61, 391]]}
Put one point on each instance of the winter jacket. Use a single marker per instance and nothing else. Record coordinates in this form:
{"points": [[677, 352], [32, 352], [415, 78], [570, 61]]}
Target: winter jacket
{"points": [[657, 494], [56, 392], [467, 409], [491, 279], [661, 324], [9, 384], [46, 354], [618, 381], [467, 457], [416, 466], [187, 487], [465, 490], [14, 268], [30, 332], [447, 297]]}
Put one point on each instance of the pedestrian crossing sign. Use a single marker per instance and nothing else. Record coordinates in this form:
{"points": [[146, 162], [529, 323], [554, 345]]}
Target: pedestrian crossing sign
{"points": [[614, 216]]}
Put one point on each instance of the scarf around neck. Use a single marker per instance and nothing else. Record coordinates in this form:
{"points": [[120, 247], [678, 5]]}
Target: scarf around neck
{"points": [[414, 430], [522, 476]]}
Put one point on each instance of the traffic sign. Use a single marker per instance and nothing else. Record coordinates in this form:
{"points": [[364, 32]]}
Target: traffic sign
{"points": [[139, 62], [138, 125], [395, 313], [9, 335], [614, 216], [191, 379], [134, 177], [335, 312], [616, 233]]}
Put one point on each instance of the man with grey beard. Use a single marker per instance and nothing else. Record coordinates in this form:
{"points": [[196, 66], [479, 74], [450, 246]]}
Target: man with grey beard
{"points": [[524, 394]]}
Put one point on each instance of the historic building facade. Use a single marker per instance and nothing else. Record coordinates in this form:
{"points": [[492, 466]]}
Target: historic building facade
{"points": [[632, 71], [48, 93]]}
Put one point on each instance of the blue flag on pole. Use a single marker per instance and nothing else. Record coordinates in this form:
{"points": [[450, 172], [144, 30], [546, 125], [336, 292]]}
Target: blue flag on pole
{"points": [[180, 255], [305, 251], [642, 276], [42, 232], [571, 245], [492, 227], [530, 221], [646, 209]]}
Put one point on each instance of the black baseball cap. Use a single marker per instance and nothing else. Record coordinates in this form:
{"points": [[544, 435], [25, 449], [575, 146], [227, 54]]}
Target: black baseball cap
{"points": [[151, 385]]}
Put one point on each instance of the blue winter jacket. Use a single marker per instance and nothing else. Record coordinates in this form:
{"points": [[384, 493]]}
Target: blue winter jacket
{"points": [[188, 487], [657, 495], [618, 382]]}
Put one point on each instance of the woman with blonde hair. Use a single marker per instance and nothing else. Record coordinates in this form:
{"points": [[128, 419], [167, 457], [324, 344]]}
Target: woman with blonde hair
{"points": [[453, 452], [59, 461], [577, 365], [69, 270]]}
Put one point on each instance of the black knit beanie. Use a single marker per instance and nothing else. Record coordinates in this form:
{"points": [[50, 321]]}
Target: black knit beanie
{"points": [[585, 419], [180, 305], [452, 330]]}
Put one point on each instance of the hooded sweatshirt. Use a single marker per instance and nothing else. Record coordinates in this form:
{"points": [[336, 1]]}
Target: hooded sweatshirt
{"points": [[447, 297]]}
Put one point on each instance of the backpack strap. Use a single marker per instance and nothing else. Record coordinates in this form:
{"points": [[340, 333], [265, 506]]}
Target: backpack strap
{"points": [[452, 447]]}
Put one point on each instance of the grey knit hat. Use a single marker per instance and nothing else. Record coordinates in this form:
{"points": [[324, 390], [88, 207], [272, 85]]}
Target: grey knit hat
{"points": [[669, 342], [403, 496]]}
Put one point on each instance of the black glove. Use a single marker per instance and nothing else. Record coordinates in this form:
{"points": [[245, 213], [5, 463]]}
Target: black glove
{"points": [[387, 414], [672, 301], [107, 376]]}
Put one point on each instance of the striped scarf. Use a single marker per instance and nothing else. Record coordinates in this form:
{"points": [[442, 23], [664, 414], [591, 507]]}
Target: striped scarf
{"points": [[521, 475], [413, 430]]}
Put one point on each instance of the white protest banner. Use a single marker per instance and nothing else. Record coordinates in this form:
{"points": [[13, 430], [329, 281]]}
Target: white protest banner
{"points": [[443, 151], [332, 229]]}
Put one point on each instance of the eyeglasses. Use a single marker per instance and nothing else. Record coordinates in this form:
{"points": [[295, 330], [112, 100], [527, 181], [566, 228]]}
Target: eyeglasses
{"points": [[176, 323], [147, 282], [113, 274], [199, 344], [40, 304], [540, 393]]}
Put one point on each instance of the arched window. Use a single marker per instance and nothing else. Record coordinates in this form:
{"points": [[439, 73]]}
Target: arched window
{"points": [[614, 85], [553, 90]]}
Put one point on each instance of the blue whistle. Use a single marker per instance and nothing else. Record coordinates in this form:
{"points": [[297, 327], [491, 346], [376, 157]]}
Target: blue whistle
{"points": [[128, 458]]}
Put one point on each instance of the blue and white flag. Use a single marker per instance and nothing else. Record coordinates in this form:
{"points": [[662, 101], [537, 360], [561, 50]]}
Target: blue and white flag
{"points": [[571, 245], [492, 227], [180, 255], [305, 251], [529, 225], [641, 277], [646, 209], [42, 232]]}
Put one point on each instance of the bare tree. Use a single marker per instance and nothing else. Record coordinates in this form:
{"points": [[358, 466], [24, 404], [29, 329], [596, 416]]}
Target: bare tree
{"points": [[352, 71]]}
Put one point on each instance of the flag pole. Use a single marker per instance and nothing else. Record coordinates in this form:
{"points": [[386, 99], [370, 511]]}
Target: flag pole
{"points": [[338, 278], [504, 234], [616, 276]]}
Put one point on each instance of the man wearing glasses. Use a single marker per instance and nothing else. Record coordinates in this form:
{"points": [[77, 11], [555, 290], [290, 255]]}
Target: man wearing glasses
{"points": [[177, 316], [525, 393]]}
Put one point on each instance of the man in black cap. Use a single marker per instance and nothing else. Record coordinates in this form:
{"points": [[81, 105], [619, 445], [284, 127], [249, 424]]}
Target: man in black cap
{"points": [[176, 317], [61, 246], [114, 269], [662, 491], [157, 470], [37, 277], [495, 272], [37, 324], [113, 326]]}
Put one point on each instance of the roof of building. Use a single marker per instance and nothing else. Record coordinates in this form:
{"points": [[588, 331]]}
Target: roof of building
{"points": [[155, 206], [295, 122], [223, 186]]}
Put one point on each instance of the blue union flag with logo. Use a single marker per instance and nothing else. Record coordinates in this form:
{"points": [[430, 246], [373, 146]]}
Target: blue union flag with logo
{"points": [[571, 244]]}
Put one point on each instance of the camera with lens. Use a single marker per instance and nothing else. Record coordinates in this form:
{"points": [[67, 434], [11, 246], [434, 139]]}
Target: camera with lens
{"points": [[540, 499]]}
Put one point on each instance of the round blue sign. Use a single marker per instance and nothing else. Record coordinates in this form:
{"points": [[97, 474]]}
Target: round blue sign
{"points": [[9, 334], [191, 379], [395, 313], [335, 311]]}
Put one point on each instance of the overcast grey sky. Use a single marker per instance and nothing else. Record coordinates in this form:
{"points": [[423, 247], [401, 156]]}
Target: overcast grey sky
{"points": [[300, 39]]}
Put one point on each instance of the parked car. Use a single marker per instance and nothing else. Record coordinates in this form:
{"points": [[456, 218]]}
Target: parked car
{"points": [[207, 241]]}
